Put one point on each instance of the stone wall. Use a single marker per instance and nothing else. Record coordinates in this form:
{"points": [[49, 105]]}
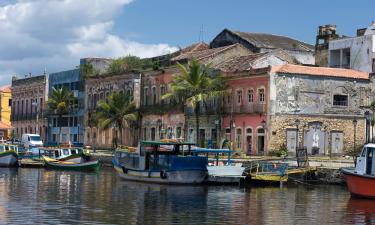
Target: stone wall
{"points": [[279, 124]]}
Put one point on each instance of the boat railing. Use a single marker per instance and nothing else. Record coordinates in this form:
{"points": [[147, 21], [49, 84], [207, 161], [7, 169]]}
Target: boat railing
{"points": [[269, 168]]}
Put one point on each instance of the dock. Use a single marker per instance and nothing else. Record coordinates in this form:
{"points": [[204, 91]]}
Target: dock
{"points": [[31, 163]]}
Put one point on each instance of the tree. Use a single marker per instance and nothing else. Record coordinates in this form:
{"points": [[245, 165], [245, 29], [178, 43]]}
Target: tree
{"points": [[118, 110], [60, 102], [88, 70], [195, 84], [125, 64]]}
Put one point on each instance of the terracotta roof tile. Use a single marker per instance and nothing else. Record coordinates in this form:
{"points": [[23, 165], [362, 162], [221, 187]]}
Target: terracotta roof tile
{"points": [[5, 89], [320, 71], [195, 47]]}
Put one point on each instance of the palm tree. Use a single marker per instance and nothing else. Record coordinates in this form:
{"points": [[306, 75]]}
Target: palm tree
{"points": [[61, 102], [194, 85], [118, 110]]}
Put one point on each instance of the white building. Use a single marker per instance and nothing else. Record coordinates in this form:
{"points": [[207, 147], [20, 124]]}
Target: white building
{"points": [[356, 53]]}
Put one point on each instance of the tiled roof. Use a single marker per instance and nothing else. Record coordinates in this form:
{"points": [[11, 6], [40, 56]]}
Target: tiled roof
{"points": [[239, 63], [195, 47], [4, 126], [263, 40], [320, 71], [5, 89], [204, 53]]}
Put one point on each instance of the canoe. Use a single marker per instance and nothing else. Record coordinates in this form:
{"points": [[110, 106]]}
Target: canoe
{"points": [[68, 165], [8, 159]]}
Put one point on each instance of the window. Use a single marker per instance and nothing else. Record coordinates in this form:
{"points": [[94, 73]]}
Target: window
{"points": [[145, 93], [153, 133], [162, 92], [145, 133], [250, 95], [340, 100], [10, 102], [261, 96], [239, 138], [178, 132], [153, 95], [239, 97]]}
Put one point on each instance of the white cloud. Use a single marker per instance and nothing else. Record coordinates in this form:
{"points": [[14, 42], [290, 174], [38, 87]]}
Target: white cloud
{"points": [[54, 34]]}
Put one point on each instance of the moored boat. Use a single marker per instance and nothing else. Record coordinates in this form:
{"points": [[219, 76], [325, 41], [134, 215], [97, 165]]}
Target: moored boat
{"points": [[361, 179], [161, 162], [8, 158], [222, 171], [84, 165]]}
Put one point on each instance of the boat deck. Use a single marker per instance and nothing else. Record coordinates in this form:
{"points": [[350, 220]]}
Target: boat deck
{"points": [[30, 163]]}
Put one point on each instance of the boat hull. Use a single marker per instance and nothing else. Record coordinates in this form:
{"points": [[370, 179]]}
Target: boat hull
{"points": [[87, 166], [163, 177], [359, 185], [8, 159], [225, 174]]}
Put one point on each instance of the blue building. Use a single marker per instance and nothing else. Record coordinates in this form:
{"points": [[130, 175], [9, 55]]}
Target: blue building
{"points": [[71, 123]]}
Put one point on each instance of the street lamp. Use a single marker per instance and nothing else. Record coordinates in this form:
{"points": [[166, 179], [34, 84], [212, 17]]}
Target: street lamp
{"points": [[355, 130], [297, 122], [231, 126], [35, 104]]}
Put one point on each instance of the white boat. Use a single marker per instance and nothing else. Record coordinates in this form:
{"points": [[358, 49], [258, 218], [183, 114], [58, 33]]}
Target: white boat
{"points": [[223, 172]]}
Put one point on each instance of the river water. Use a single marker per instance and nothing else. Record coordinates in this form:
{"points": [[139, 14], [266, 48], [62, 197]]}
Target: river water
{"points": [[38, 196]]}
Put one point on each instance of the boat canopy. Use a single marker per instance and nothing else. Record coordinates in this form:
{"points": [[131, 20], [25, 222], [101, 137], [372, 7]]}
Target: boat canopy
{"points": [[157, 143], [211, 150]]}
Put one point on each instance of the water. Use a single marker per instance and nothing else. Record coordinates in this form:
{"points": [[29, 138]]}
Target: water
{"points": [[38, 196]]}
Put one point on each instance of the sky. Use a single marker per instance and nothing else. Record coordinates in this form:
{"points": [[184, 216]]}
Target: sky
{"points": [[52, 35]]}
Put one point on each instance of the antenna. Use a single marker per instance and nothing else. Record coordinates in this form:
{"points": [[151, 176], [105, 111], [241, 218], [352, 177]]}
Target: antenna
{"points": [[201, 34]]}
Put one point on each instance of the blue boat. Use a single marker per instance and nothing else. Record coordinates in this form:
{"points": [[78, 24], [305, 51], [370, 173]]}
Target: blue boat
{"points": [[161, 162]]}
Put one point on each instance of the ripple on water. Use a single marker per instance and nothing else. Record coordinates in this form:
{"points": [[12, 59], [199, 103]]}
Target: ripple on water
{"points": [[39, 196]]}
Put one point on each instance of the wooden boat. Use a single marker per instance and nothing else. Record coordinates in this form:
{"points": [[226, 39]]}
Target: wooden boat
{"points": [[51, 163], [221, 172], [361, 179], [71, 154], [161, 162], [8, 156]]}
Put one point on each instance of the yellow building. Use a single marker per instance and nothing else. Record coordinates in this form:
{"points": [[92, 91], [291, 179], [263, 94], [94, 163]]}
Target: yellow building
{"points": [[5, 111]]}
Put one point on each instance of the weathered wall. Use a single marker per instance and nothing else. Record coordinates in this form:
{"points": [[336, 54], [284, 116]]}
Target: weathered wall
{"points": [[279, 124], [361, 52]]}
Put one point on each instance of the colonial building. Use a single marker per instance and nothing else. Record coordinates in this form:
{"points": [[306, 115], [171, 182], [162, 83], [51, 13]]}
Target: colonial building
{"points": [[29, 97], [99, 87], [261, 42], [319, 108], [5, 111], [356, 53]]}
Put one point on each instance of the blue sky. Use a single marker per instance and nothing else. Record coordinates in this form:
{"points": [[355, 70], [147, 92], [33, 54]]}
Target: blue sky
{"points": [[54, 34]]}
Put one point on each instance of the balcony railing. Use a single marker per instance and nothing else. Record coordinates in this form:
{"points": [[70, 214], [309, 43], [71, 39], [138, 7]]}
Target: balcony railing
{"points": [[160, 108], [246, 108]]}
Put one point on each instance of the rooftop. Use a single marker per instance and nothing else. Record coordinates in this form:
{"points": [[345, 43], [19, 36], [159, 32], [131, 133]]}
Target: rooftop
{"points": [[320, 71], [6, 89]]}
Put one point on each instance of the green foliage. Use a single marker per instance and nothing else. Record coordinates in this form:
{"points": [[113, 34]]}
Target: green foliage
{"points": [[88, 70], [117, 110], [281, 152], [61, 101], [125, 64]]}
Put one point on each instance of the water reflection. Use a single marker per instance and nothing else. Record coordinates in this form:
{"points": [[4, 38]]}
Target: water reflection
{"points": [[41, 196]]}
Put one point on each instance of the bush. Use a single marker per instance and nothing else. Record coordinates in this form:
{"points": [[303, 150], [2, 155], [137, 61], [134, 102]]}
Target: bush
{"points": [[281, 152]]}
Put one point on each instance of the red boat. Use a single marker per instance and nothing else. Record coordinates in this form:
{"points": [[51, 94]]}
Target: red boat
{"points": [[361, 179]]}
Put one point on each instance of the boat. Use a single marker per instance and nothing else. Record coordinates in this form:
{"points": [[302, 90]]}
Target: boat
{"points": [[360, 180], [166, 162], [71, 154], [8, 156], [50, 163], [222, 171]]}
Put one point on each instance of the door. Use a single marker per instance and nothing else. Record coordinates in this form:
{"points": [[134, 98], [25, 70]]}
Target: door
{"points": [[361, 162], [337, 142], [370, 156], [249, 141], [202, 137], [260, 141], [291, 140]]}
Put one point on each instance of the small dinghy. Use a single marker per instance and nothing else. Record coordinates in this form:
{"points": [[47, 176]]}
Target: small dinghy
{"points": [[51, 163]]}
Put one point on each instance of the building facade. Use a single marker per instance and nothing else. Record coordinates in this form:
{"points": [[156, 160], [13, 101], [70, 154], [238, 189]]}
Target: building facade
{"points": [[99, 87], [320, 108], [356, 53], [5, 112], [29, 96]]}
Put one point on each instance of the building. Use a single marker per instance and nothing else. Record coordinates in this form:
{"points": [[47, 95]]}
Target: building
{"points": [[99, 87], [261, 42], [357, 53], [320, 108], [71, 124], [29, 96], [5, 111], [325, 34]]}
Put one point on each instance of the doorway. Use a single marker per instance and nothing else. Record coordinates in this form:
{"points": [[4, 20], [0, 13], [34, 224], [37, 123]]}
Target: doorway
{"points": [[202, 137], [260, 141]]}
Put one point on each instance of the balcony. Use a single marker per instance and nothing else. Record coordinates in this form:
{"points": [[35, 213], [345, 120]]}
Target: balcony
{"points": [[246, 108], [160, 108]]}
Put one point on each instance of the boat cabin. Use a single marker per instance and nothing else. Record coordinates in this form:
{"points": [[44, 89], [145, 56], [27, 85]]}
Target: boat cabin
{"points": [[365, 164], [9, 147], [156, 156], [61, 153], [216, 153]]}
